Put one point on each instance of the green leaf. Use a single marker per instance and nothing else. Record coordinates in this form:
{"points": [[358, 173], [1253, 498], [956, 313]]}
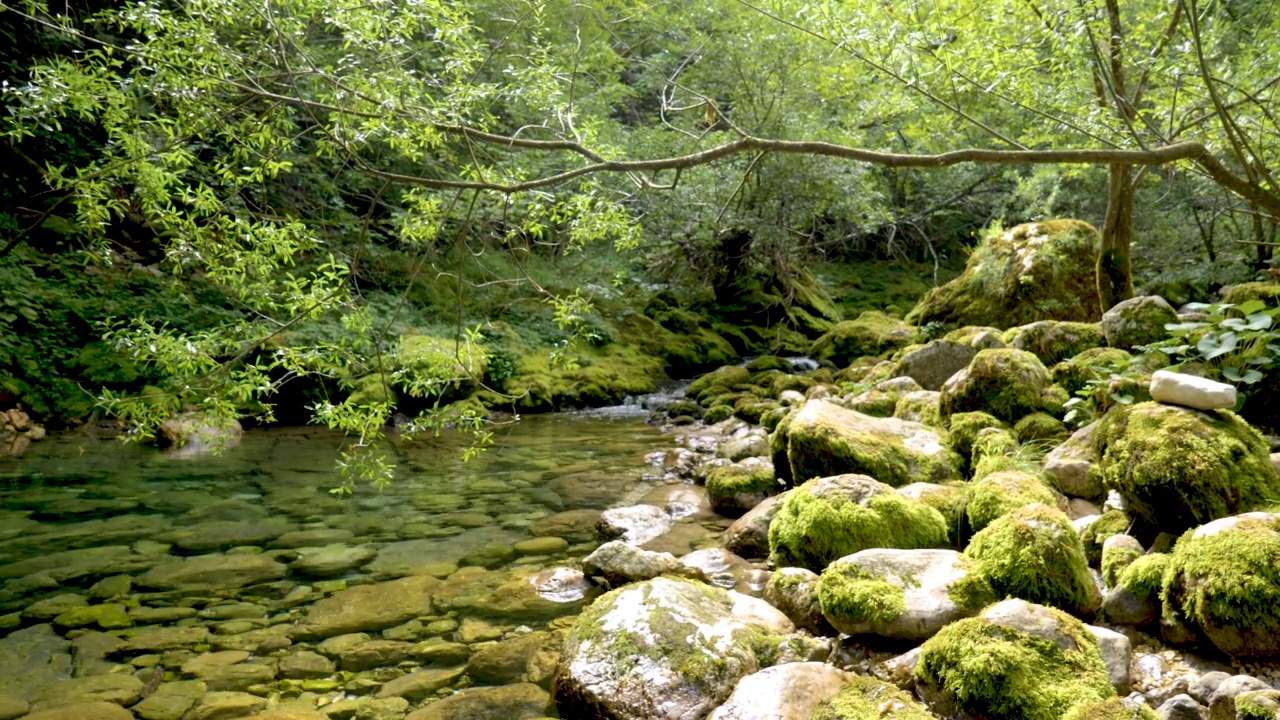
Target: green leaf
{"points": [[1250, 377], [1251, 306], [1215, 345]]}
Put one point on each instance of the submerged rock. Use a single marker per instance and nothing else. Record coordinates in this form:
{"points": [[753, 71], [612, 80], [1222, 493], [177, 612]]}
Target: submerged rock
{"points": [[748, 536], [368, 607], [523, 701], [212, 571], [618, 563], [634, 525], [663, 648]]}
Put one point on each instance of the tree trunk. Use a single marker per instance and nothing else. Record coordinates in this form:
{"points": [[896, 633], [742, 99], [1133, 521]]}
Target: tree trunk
{"points": [[1115, 283]]}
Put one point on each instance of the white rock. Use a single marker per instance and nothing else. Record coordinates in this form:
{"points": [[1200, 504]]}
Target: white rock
{"points": [[1116, 652], [1191, 391], [782, 692]]}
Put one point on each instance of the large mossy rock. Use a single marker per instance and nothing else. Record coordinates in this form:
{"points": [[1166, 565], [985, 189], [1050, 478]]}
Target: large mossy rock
{"points": [[1035, 554], [1036, 271], [1137, 321], [828, 518], [1054, 341], [872, 333], [1006, 383], [663, 648], [901, 594], [1000, 493], [867, 697], [1224, 577], [933, 363], [1177, 468], [1015, 661], [824, 439]]}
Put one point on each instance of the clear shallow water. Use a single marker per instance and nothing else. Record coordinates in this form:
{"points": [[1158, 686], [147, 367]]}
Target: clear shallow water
{"points": [[75, 510]]}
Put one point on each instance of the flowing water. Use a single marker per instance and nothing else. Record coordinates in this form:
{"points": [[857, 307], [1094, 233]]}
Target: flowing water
{"points": [[106, 542]]}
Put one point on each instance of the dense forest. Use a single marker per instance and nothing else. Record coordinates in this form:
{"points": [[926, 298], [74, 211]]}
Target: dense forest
{"points": [[326, 212]]}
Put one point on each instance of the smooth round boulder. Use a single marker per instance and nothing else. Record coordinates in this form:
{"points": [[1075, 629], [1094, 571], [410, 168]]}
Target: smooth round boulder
{"points": [[1137, 321], [932, 364], [662, 648], [782, 692], [1006, 383]]}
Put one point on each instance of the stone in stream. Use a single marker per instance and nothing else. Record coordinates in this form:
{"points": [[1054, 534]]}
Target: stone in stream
{"points": [[783, 692], [214, 536], [1190, 391], [617, 563], [164, 638], [522, 701], [530, 657], [96, 710], [331, 560], [421, 684], [316, 537], [224, 705], [118, 688], [31, 659], [794, 591], [12, 707], [368, 607], [211, 571], [576, 526], [748, 536], [305, 664], [634, 525]]}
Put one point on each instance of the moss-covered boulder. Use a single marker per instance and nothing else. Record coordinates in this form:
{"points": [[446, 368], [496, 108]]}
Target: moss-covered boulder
{"points": [[718, 382], [663, 648], [1177, 468], [794, 591], [1034, 553], [828, 518], [1040, 427], [1015, 661], [964, 429], [1092, 365], [1072, 467], [1094, 533], [920, 406], [994, 450], [1031, 272], [1135, 597], [901, 594], [1224, 577], [949, 499], [735, 489], [1054, 341], [1137, 321], [871, 333], [1267, 292], [874, 402], [1000, 493], [868, 698], [1111, 709], [1118, 553], [824, 439], [1005, 383]]}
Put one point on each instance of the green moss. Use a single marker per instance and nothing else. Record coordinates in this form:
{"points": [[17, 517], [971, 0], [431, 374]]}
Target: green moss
{"points": [[753, 409], [778, 448], [1258, 705], [848, 592], [920, 406], [1110, 709], [1229, 578], [964, 429], [823, 520], [717, 413], [950, 500], [828, 440], [866, 698], [994, 450], [871, 334], [1268, 292], [372, 389], [718, 381], [1033, 553], [1177, 468], [972, 591], [1030, 272], [1000, 493], [1115, 560], [1095, 364], [1006, 383], [1143, 577], [734, 489], [768, 362], [878, 403], [1111, 522], [1040, 426], [1053, 341], [994, 671]]}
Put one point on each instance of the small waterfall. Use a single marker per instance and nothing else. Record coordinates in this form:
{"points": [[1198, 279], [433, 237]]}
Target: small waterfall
{"points": [[802, 364]]}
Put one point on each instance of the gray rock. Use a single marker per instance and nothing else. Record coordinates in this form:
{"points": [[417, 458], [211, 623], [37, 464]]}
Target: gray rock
{"points": [[690, 640], [317, 537], [931, 365], [420, 684], [782, 692], [748, 536], [1121, 607], [118, 688], [634, 525], [716, 566], [305, 664], [530, 657], [1116, 653], [794, 591], [523, 701], [618, 563], [226, 705], [96, 710], [1137, 321], [925, 578], [1222, 704], [1204, 686], [1071, 467], [165, 638], [1179, 707], [752, 445]]}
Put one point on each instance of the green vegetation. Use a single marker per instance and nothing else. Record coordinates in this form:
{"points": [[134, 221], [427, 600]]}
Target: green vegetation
{"points": [[1034, 554], [870, 334], [991, 670], [999, 493], [1110, 709], [851, 594], [866, 698], [1006, 383], [828, 518]]}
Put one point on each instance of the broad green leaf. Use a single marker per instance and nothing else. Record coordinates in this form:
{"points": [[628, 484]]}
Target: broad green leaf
{"points": [[1214, 345]]}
